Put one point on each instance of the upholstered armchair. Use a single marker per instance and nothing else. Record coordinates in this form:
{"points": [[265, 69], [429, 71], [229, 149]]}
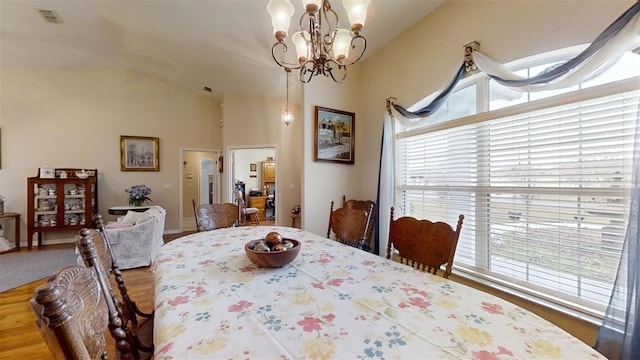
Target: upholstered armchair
{"points": [[136, 245], [136, 237]]}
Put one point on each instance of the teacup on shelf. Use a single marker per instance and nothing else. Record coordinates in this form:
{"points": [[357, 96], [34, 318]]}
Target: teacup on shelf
{"points": [[82, 174]]}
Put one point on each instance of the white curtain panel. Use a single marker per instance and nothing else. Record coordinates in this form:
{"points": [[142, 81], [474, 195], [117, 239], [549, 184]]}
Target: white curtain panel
{"points": [[386, 185]]}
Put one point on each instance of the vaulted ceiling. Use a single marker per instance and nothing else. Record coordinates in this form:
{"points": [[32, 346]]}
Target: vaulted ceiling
{"points": [[221, 44]]}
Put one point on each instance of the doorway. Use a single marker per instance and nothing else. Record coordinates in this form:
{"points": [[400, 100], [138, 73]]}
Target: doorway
{"points": [[246, 171], [199, 181]]}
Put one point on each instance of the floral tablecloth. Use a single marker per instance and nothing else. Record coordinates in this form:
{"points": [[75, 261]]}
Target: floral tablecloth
{"points": [[331, 302]]}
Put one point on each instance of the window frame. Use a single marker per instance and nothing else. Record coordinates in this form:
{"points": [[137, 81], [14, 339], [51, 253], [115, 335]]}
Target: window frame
{"points": [[481, 81]]}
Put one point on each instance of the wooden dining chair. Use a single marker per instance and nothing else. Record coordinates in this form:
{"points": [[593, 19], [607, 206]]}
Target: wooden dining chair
{"points": [[423, 244], [109, 261], [349, 226], [244, 212], [366, 205], [215, 216], [195, 214], [137, 324], [73, 313]]}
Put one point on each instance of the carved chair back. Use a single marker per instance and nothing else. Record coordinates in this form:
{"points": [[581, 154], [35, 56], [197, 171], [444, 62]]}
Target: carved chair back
{"points": [[366, 205], [72, 314], [88, 242], [423, 244], [215, 216], [102, 245], [349, 226], [139, 324]]}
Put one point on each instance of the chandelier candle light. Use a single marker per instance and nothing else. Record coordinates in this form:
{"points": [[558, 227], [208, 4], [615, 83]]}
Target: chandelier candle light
{"points": [[322, 47]]}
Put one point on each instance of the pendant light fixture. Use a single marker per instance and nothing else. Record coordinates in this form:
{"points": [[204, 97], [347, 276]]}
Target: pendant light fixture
{"points": [[287, 115], [322, 47]]}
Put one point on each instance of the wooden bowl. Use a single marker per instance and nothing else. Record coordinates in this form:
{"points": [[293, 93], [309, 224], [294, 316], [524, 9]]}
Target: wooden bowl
{"points": [[273, 259]]}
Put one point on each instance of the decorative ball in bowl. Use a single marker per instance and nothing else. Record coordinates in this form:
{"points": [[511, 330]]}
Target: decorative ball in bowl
{"points": [[276, 258]]}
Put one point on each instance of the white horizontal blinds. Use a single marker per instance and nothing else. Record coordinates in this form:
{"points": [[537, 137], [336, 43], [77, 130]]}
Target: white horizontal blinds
{"points": [[442, 159], [558, 202], [437, 176], [544, 193]]}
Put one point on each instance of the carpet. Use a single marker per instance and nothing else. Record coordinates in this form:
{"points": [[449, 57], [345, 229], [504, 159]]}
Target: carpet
{"points": [[22, 268]]}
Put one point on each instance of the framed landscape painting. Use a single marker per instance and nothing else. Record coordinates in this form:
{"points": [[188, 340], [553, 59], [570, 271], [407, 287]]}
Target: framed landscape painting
{"points": [[139, 153], [334, 135]]}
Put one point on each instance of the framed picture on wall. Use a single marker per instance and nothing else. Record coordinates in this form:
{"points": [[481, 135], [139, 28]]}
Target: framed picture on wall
{"points": [[334, 135], [253, 167], [139, 153]]}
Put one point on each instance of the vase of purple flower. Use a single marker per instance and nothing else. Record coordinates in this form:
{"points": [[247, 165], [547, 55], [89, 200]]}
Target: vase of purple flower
{"points": [[138, 195]]}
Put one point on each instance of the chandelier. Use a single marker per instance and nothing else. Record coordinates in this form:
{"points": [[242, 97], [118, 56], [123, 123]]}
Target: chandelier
{"points": [[322, 47]]}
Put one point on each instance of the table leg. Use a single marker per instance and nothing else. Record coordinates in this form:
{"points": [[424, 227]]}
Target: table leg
{"points": [[17, 225]]}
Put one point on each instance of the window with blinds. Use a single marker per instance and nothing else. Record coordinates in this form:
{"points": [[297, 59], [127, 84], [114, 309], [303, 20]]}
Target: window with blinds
{"points": [[545, 193]]}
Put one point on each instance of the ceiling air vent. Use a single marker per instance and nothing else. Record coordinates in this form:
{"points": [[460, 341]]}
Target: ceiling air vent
{"points": [[50, 16]]}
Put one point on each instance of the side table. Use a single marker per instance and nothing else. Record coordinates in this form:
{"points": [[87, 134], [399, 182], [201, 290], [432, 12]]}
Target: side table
{"points": [[16, 226]]}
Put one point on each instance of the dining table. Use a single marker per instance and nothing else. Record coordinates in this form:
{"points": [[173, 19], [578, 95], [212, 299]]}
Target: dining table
{"points": [[331, 302]]}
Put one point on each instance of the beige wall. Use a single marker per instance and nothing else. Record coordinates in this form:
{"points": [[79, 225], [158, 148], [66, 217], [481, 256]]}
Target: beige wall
{"points": [[251, 121], [74, 118], [327, 181]]}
